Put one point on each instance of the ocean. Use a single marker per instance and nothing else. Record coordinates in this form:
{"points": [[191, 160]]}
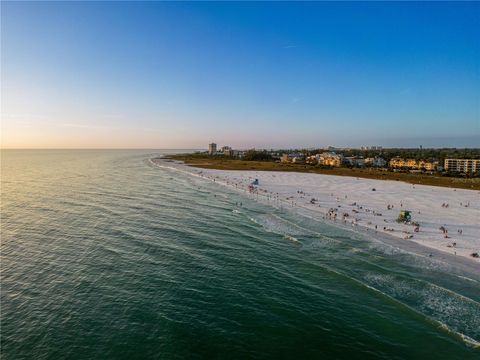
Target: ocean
{"points": [[105, 255]]}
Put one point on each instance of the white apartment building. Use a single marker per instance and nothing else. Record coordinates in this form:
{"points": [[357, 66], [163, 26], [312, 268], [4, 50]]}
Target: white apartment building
{"points": [[212, 148], [375, 162], [462, 165]]}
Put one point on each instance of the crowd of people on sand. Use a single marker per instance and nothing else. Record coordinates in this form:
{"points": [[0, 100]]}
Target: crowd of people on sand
{"points": [[350, 214]]}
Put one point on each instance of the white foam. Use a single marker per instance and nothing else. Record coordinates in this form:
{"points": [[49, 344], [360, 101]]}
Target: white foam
{"points": [[280, 189]]}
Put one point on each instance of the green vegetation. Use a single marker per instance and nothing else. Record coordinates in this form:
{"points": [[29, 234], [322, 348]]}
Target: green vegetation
{"points": [[254, 155], [387, 154], [418, 154]]}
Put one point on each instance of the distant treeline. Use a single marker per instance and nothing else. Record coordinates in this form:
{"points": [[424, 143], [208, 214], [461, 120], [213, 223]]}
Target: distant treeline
{"points": [[249, 155], [257, 155], [416, 153], [387, 154]]}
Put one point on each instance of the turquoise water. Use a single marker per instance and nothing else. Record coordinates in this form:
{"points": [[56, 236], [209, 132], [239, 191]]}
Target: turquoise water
{"points": [[106, 256]]}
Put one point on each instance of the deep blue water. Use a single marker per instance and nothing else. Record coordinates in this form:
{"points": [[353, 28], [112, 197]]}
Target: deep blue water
{"points": [[106, 256]]}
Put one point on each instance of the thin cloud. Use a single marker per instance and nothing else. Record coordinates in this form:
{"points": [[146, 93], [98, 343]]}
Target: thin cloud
{"points": [[84, 126], [24, 116]]}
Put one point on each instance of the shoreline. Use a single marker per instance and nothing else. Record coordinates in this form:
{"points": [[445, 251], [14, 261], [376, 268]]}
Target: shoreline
{"points": [[418, 246]]}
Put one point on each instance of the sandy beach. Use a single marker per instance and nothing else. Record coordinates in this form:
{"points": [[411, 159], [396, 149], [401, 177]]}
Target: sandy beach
{"points": [[448, 219]]}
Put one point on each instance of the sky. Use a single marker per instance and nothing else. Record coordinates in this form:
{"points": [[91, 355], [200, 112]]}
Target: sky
{"points": [[249, 74]]}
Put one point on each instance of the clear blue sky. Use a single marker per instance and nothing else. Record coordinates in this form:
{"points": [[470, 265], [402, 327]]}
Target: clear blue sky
{"points": [[179, 75]]}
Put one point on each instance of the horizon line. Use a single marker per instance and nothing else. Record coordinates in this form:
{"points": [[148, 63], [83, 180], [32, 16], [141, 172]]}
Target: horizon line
{"points": [[255, 148]]}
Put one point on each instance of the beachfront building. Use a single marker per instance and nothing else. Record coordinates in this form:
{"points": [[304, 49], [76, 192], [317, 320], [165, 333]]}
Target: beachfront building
{"points": [[295, 158], [212, 148], [329, 159], [356, 161], [399, 163], [359, 162], [375, 162], [227, 151], [428, 165], [462, 165], [311, 160]]}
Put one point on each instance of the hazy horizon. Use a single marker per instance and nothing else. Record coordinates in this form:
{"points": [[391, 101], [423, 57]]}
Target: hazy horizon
{"points": [[248, 148], [124, 75]]}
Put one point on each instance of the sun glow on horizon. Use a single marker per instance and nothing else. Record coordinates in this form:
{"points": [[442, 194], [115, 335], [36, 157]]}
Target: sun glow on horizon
{"points": [[180, 75]]}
